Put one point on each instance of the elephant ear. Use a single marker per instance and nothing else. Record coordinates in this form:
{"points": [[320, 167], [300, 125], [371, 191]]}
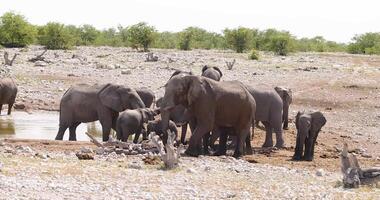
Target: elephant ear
{"points": [[298, 118], [220, 72], [110, 97], [289, 93], [318, 121], [195, 88], [204, 69], [175, 73], [144, 114]]}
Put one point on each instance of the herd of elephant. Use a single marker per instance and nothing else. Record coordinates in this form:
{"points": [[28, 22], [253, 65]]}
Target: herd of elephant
{"points": [[213, 110]]}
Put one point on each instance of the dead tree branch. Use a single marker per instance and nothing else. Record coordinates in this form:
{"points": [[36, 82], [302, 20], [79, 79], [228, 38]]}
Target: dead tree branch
{"points": [[39, 57], [151, 58], [230, 65], [6, 58], [353, 175], [172, 154]]}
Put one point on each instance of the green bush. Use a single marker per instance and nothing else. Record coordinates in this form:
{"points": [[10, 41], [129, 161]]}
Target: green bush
{"points": [[184, 40], [109, 37], [55, 36], [141, 35], [15, 31], [368, 43], [88, 34], [281, 45], [165, 40], [253, 55], [239, 39]]}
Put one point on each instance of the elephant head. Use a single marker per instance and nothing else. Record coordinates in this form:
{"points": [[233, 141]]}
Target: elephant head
{"points": [[212, 72], [148, 114], [287, 98], [180, 72], [308, 125], [119, 98], [180, 90]]}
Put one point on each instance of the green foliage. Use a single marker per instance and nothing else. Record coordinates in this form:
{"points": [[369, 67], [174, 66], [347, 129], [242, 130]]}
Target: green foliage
{"points": [[88, 34], [165, 40], [55, 36], [109, 37], [184, 39], [318, 44], [253, 55], [368, 43], [239, 39], [140, 35], [281, 45], [15, 31], [280, 42]]}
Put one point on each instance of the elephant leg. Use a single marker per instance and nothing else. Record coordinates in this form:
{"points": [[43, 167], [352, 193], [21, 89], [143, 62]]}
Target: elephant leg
{"points": [[183, 134], [214, 136], [248, 147], [61, 132], [239, 149], [268, 135], [195, 140], [308, 149], [72, 129], [279, 139], [298, 150], [1, 106], [106, 128], [206, 139], [137, 136], [222, 148], [10, 105], [144, 134]]}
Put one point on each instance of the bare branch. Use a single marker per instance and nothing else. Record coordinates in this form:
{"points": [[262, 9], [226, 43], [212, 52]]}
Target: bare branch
{"points": [[39, 57], [6, 58], [230, 65]]}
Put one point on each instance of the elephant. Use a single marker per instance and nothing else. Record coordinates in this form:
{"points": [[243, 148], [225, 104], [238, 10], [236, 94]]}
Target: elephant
{"points": [[212, 72], [132, 122], [287, 98], [146, 95], [212, 104], [156, 126], [308, 125], [8, 92], [84, 103]]}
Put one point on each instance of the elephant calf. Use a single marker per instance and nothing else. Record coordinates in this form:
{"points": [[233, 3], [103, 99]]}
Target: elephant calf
{"points": [[132, 122], [156, 126], [308, 125], [8, 92]]}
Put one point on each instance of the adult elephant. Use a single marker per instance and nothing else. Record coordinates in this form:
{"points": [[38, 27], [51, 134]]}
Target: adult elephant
{"points": [[84, 103], [269, 112], [8, 92], [308, 125], [146, 95], [212, 72], [178, 114], [287, 98], [212, 104]]}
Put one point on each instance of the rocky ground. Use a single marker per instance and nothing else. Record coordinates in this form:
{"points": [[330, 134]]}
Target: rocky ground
{"points": [[346, 88]]}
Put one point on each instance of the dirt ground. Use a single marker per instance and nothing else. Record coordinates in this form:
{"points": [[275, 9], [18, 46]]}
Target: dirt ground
{"points": [[346, 88]]}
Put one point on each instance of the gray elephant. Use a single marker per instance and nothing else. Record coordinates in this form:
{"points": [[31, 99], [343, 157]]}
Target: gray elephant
{"points": [[308, 125], [287, 98], [212, 72], [212, 104], [85, 103], [146, 95], [8, 92], [156, 126], [132, 122]]}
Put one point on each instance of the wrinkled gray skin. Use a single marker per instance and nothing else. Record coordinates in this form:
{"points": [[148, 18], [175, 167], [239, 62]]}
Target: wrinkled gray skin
{"points": [[212, 72], [156, 126], [308, 125], [132, 122], [84, 103], [8, 92], [287, 98], [212, 104], [146, 95], [178, 114]]}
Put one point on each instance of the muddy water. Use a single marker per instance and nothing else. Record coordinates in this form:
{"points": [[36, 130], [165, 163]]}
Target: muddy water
{"points": [[41, 125]]}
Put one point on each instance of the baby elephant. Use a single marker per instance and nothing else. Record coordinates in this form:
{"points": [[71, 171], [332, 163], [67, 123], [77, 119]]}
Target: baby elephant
{"points": [[308, 125], [132, 122], [156, 126]]}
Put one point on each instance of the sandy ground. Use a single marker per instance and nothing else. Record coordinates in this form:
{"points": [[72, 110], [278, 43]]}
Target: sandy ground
{"points": [[346, 88]]}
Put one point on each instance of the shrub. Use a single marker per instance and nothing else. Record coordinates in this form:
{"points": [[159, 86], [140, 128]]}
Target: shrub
{"points": [[165, 40], [238, 39], [368, 43], [184, 40], [109, 37], [15, 31], [141, 35], [253, 55], [281, 45], [55, 36], [88, 34]]}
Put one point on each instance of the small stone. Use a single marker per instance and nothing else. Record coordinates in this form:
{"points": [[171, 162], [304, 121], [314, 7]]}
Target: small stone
{"points": [[85, 156], [99, 151], [1, 167], [134, 165], [40, 64], [191, 171], [127, 72], [366, 155], [86, 150], [207, 168], [19, 106], [42, 156], [320, 172]]}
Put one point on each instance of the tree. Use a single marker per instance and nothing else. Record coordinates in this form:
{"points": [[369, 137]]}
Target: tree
{"points": [[141, 35], [239, 39], [368, 43], [15, 31], [55, 36], [184, 39], [88, 34]]}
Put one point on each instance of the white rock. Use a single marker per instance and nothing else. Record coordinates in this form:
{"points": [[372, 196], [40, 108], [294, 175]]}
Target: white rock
{"points": [[191, 170], [320, 172], [134, 165], [40, 63], [126, 72], [86, 150]]}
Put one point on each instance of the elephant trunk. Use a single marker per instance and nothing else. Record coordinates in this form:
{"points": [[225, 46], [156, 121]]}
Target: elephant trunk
{"points": [[285, 115], [301, 138], [137, 104]]}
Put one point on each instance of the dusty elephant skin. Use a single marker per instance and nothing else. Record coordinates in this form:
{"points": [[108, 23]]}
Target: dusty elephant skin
{"points": [[146, 95], [212, 72], [84, 103], [212, 104], [308, 125], [132, 122], [286, 95], [8, 92], [156, 126]]}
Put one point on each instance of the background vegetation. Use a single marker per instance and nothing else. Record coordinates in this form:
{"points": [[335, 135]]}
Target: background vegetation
{"points": [[16, 31]]}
